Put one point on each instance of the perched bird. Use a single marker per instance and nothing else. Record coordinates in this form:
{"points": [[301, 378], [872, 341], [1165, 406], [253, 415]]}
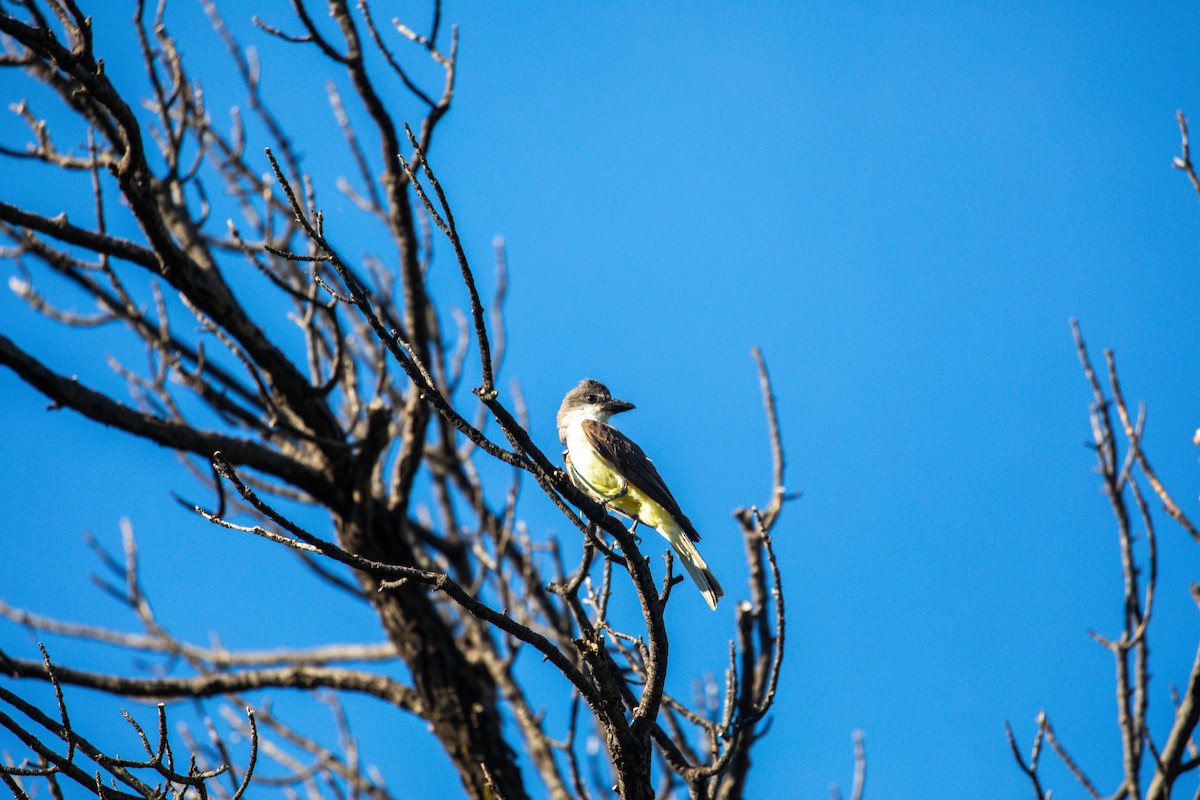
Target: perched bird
{"points": [[606, 464]]}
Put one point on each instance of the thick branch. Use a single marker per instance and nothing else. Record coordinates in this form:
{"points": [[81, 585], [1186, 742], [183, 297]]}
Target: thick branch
{"points": [[1187, 716], [95, 405], [223, 683], [59, 228]]}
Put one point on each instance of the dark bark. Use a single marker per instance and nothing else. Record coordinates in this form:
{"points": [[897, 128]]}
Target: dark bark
{"points": [[459, 697], [372, 405]]}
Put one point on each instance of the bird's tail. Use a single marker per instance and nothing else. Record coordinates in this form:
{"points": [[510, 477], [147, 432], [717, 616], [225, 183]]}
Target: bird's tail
{"points": [[690, 557]]}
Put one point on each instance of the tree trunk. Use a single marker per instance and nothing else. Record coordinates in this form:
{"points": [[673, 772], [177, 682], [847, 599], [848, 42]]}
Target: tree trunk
{"points": [[459, 697]]}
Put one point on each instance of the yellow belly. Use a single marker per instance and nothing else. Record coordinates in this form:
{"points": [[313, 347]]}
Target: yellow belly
{"points": [[594, 475]]}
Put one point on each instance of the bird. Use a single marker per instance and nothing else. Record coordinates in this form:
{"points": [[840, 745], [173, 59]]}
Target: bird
{"points": [[609, 466]]}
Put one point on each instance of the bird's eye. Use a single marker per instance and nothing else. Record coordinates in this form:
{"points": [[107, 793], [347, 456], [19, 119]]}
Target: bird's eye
{"points": [[591, 398]]}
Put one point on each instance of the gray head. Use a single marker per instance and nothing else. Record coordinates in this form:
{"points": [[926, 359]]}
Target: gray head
{"points": [[589, 400]]}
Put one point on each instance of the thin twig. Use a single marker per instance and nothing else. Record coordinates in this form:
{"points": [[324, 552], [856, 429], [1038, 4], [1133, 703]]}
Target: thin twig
{"points": [[1184, 160]]}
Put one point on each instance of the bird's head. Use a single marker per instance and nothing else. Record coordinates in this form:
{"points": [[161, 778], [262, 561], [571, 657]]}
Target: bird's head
{"points": [[589, 400]]}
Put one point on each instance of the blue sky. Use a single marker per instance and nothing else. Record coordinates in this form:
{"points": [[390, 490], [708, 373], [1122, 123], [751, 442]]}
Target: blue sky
{"points": [[903, 206]]}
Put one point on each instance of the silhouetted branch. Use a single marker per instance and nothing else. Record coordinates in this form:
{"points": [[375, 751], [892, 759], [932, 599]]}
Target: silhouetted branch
{"points": [[1030, 767], [352, 410], [1118, 472], [122, 771], [222, 683]]}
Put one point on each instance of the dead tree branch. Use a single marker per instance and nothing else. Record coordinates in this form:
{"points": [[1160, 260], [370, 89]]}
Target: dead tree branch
{"points": [[336, 393]]}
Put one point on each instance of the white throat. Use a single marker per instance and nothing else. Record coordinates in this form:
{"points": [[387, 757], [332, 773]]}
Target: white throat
{"points": [[570, 421]]}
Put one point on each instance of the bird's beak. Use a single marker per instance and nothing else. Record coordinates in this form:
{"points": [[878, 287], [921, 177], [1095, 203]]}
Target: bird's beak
{"points": [[617, 406]]}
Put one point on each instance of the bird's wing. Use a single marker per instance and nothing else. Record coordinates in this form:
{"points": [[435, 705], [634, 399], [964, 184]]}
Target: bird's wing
{"points": [[628, 459]]}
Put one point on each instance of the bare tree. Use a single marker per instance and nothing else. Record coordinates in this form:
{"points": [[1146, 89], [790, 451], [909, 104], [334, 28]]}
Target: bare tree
{"points": [[1130, 483], [377, 401]]}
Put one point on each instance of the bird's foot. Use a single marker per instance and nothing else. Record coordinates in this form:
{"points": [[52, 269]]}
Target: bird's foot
{"points": [[621, 492]]}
